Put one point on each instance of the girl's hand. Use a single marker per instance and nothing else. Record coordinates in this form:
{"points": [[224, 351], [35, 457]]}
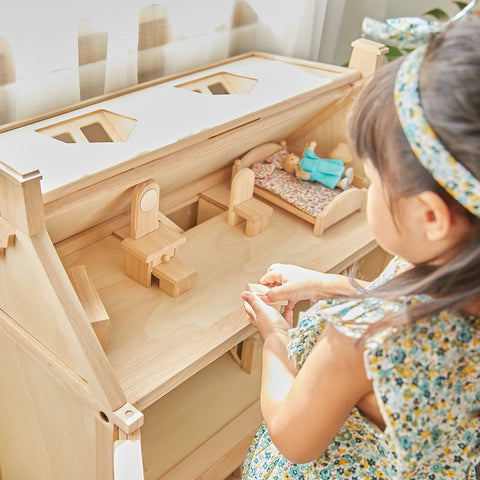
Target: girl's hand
{"points": [[293, 283], [265, 318], [297, 283]]}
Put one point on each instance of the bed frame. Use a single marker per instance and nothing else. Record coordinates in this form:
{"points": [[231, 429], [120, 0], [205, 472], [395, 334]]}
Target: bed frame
{"points": [[344, 204]]}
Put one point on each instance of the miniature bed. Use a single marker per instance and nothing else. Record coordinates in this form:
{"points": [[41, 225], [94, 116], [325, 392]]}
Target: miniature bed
{"points": [[308, 200]]}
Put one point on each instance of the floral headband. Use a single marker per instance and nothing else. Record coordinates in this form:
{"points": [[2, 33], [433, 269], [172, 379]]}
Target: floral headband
{"points": [[411, 32], [459, 182]]}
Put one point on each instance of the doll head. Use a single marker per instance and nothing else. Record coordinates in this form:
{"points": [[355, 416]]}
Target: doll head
{"points": [[290, 162]]}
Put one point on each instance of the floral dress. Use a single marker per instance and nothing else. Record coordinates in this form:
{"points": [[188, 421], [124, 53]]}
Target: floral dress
{"points": [[426, 381]]}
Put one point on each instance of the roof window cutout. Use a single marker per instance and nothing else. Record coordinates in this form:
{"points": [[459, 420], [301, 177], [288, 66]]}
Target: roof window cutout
{"points": [[218, 89], [95, 133], [100, 126], [221, 83], [64, 137]]}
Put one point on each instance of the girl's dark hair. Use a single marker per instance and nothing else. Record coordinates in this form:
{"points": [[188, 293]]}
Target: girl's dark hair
{"points": [[450, 98]]}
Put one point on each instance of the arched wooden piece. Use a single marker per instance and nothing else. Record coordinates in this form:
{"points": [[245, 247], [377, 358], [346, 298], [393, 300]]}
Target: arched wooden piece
{"points": [[7, 236], [144, 210]]}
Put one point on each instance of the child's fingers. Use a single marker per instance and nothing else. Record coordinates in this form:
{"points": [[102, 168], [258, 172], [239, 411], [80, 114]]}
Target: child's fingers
{"points": [[252, 305], [288, 314], [273, 276], [250, 312], [253, 300], [282, 292]]}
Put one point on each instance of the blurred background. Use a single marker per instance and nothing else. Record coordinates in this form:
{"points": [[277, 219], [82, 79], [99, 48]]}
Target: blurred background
{"points": [[56, 53]]}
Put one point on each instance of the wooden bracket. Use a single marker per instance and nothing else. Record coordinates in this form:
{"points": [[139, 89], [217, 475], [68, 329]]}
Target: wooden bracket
{"points": [[7, 236], [245, 352]]}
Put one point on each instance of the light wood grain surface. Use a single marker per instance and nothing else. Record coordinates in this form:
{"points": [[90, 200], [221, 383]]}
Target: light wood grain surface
{"points": [[156, 342]]}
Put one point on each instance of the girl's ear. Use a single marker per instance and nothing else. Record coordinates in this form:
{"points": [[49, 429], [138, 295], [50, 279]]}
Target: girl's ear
{"points": [[435, 215]]}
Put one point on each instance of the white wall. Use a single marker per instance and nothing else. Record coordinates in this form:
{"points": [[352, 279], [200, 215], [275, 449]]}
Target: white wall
{"points": [[355, 10]]}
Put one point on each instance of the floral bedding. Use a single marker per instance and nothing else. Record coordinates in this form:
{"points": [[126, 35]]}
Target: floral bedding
{"points": [[310, 197]]}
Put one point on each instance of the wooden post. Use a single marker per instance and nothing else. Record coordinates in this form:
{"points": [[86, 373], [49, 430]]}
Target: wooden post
{"points": [[367, 56], [21, 201]]}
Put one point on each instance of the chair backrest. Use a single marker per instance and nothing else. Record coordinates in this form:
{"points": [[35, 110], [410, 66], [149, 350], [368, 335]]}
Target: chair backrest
{"points": [[242, 186], [144, 210]]}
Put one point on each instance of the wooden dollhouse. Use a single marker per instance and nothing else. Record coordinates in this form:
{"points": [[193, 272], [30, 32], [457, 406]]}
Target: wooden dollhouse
{"points": [[124, 247]]}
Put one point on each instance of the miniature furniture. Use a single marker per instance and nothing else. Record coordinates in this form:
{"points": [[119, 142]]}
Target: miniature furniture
{"points": [[167, 387], [151, 248], [311, 201], [242, 205]]}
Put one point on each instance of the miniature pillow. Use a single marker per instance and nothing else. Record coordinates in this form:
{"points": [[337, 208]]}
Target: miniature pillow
{"points": [[277, 158], [263, 170]]}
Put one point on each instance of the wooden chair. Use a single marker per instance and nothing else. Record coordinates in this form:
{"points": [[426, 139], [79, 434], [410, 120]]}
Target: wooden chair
{"points": [[242, 205], [152, 246]]}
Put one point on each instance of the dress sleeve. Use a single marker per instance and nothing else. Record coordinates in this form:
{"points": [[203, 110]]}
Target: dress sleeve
{"points": [[389, 272]]}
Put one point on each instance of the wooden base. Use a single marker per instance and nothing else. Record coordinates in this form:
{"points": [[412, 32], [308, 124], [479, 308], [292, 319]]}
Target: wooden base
{"points": [[137, 269]]}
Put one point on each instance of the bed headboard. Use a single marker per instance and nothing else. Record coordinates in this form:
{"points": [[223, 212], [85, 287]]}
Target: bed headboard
{"points": [[257, 154]]}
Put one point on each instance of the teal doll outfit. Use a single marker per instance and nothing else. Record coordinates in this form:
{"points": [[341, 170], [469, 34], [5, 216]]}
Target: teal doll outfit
{"points": [[327, 171], [425, 378]]}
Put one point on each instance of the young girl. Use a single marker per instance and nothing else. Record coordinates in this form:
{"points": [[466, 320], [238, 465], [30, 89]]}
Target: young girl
{"points": [[383, 382]]}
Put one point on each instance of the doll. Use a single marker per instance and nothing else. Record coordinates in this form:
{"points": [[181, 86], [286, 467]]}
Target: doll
{"points": [[330, 172]]}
